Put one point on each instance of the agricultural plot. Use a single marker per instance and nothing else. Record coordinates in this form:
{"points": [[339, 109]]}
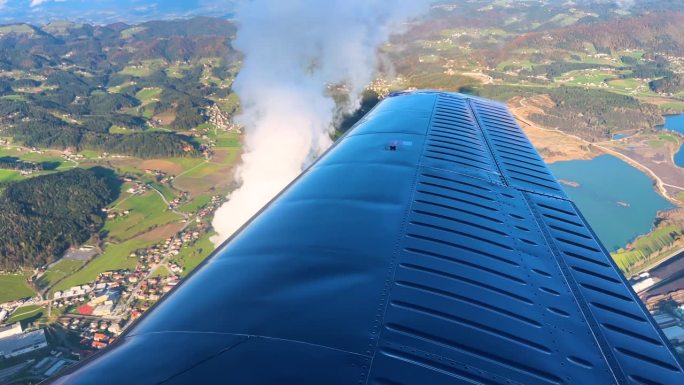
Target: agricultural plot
{"points": [[215, 174], [114, 257], [146, 211], [26, 312], [148, 95], [10, 176], [59, 271], [14, 286], [591, 78], [672, 106], [644, 246], [626, 85], [197, 203], [161, 271], [190, 257], [120, 87]]}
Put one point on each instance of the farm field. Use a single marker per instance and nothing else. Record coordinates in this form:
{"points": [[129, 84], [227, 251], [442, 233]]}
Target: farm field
{"points": [[191, 257], [14, 286], [146, 212], [149, 219], [58, 271], [114, 257], [25, 312]]}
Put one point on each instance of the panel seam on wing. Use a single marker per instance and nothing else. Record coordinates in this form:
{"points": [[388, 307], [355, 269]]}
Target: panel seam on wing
{"points": [[248, 336], [573, 285], [391, 274]]}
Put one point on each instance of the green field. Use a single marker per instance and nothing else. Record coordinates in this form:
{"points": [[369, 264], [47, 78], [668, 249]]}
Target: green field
{"points": [[129, 32], [644, 246], [48, 158], [662, 140], [120, 87], [186, 163], [59, 271], [195, 204], [669, 138], [148, 94], [10, 176], [168, 193], [673, 106], [25, 312], [204, 170], [625, 84], [13, 287], [120, 130], [586, 77], [146, 212], [137, 71], [228, 140], [190, 257], [19, 98], [114, 257], [161, 271]]}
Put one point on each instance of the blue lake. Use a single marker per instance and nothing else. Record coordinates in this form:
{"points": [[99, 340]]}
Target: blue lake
{"points": [[619, 201], [620, 136], [676, 123]]}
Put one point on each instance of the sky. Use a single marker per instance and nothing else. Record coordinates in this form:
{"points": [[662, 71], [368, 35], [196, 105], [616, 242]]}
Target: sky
{"points": [[109, 11]]}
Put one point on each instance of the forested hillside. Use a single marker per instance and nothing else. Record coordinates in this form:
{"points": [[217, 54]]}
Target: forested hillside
{"points": [[591, 114], [42, 216], [79, 86]]}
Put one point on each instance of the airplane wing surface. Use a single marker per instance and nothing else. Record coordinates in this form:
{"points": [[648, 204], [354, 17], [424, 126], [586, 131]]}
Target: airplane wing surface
{"points": [[431, 245]]}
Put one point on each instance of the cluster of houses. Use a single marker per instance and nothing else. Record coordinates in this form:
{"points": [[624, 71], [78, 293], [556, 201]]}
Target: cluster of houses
{"points": [[71, 296], [175, 202], [113, 214], [94, 334], [158, 174], [209, 209], [68, 155], [138, 188], [101, 297], [380, 86], [152, 289], [220, 119], [98, 306], [668, 312]]}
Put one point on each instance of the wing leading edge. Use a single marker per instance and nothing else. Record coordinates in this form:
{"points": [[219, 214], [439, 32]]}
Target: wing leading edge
{"points": [[430, 245]]}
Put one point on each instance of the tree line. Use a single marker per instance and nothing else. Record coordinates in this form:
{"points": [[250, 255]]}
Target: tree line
{"points": [[43, 216]]}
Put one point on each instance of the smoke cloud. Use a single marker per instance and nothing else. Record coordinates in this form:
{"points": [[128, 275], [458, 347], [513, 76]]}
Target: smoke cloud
{"points": [[293, 51]]}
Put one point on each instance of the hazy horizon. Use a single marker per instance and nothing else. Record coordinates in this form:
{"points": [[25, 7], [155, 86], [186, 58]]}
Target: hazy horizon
{"points": [[108, 11]]}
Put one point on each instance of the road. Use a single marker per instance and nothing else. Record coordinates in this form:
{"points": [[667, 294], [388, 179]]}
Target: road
{"points": [[163, 262], [660, 185], [168, 204]]}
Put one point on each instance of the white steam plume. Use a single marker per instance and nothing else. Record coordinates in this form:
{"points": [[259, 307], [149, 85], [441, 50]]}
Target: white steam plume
{"points": [[293, 51]]}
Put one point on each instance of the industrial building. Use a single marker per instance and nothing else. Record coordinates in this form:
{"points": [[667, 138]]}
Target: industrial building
{"points": [[10, 330], [18, 344]]}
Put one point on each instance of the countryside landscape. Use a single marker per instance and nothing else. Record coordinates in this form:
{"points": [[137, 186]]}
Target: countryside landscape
{"points": [[118, 143]]}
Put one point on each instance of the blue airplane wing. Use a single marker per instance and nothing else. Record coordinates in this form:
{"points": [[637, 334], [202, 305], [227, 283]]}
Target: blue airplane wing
{"points": [[430, 245]]}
